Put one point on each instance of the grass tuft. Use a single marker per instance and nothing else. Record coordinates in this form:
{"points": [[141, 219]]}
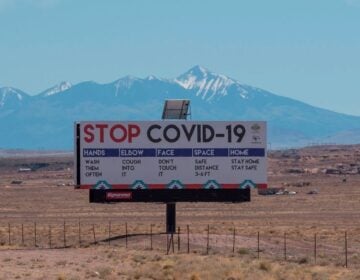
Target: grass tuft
{"points": [[243, 251], [195, 277], [303, 260], [265, 266]]}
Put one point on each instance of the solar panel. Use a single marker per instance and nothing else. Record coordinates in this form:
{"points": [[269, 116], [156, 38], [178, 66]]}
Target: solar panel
{"points": [[177, 109]]}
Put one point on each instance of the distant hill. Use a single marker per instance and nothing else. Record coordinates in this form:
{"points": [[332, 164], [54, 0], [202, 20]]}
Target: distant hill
{"points": [[46, 120]]}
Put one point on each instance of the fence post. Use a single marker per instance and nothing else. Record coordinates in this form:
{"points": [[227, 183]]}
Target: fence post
{"points": [[346, 250], [109, 231], [151, 237], [9, 229], [169, 241], [35, 235], [79, 231], [22, 235], [50, 236], [208, 240], [315, 248], [285, 256], [188, 237], [126, 236], [258, 245], [178, 239], [234, 236], [93, 228], [64, 234]]}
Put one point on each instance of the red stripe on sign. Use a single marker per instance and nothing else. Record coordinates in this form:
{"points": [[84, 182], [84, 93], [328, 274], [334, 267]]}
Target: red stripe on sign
{"points": [[261, 186], [118, 195], [157, 186], [229, 186], [163, 186], [193, 186]]}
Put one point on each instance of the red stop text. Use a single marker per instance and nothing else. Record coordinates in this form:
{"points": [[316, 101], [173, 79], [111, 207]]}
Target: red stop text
{"points": [[117, 133]]}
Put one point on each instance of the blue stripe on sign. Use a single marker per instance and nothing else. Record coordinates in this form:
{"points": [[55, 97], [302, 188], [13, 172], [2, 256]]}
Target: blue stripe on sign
{"points": [[100, 152], [137, 152], [210, 152], [174, 152], [251, 152]]}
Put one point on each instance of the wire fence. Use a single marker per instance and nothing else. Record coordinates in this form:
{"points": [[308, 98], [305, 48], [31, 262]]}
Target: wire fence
{"points": [[341, 248]]}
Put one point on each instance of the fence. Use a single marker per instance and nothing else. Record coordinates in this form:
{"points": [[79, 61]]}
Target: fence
{"points": [[340, 248]]}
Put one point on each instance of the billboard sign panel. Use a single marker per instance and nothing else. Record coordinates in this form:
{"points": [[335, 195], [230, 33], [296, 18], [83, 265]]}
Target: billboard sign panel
{"points": [[170, 155]]}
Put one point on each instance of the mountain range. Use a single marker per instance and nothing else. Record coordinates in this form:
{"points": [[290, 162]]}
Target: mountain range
{"points": [[45, 120]]}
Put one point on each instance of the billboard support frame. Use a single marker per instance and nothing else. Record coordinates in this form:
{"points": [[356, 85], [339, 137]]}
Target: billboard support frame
{"points": [[170, 217], [171, 206]]}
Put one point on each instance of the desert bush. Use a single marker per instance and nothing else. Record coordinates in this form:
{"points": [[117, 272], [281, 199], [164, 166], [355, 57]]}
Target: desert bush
{"points": [[265, 266], [303, 260], [104, 272], [243, 251]]}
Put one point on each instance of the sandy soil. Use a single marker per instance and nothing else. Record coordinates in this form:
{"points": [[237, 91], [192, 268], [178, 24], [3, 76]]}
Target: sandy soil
{"points": [[46, 198]]}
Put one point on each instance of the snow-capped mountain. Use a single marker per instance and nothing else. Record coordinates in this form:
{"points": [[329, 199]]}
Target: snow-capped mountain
{"points": [[46, 120], [56, 89], [11, 99], [9, 94], [209, 86]]}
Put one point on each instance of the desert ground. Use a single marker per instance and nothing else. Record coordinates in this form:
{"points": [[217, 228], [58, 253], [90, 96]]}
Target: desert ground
{"points": [[49, 230]]}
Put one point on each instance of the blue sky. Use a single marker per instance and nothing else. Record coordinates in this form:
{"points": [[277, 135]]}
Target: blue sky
{"points": [[306, 49]]}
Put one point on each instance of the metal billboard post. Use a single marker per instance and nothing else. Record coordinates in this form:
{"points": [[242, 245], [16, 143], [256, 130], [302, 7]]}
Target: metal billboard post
{"points": [[170, 217], [178, 110]]}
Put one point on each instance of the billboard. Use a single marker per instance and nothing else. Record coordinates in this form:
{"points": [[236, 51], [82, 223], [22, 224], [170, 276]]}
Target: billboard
{"points": [[187, 156]]}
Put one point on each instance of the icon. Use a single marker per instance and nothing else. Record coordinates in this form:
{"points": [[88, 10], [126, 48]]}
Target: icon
{"points": [[102, 185], [247, 184], [139, 185], [211, 185], [175, 185], [255, 127]]}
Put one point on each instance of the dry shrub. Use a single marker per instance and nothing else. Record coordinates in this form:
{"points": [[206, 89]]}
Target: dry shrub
{"points": [[303, 260], [61, 263], [104, 272], [265, 266], [61, 277], [139, 259], [243, 251], [195, 276]]}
